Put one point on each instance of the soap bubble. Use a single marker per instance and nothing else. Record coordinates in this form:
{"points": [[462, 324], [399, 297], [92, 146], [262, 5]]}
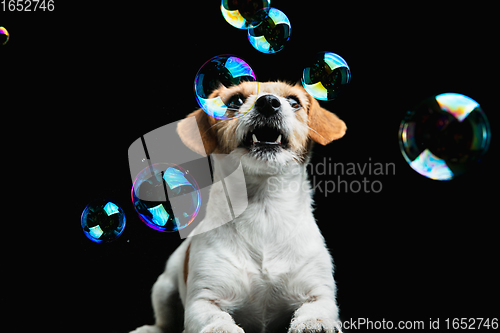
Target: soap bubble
{"points": [[166, 197], [4, 36], [271, 34], [327, 76], [444, 136], [219, 72], [242, 14], [103, 221]]}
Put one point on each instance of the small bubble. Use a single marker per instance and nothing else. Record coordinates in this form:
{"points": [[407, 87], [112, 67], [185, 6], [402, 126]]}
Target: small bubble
{"points": [[242, 14], [272, 33], [103, 221], [327, 76], [217, 74]]}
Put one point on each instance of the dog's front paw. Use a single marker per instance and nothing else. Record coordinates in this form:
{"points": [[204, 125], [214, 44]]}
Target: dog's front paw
{"points": [[222, 327], [314, 325], [147, 329]]}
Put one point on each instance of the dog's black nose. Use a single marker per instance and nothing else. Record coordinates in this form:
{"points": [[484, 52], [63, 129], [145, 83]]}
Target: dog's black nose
{"points": [[268, 105]]}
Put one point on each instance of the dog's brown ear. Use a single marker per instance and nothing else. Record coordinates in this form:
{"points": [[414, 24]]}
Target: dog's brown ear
{"points": [[188, 130], [324, 126]]}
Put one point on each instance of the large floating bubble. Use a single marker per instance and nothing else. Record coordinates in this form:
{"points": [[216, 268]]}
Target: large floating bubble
{"points": [[166, 197], [444, 136], [327, 76], [271, 34], [242, 14], [219, 73], [103, 221]]}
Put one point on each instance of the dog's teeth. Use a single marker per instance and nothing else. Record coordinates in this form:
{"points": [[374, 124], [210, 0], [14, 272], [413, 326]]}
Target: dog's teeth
{"points": [[254, 138], [279, 139]]}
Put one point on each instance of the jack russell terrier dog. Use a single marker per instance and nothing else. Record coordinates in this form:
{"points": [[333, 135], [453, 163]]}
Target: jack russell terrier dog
{"points": [[268, 270]]}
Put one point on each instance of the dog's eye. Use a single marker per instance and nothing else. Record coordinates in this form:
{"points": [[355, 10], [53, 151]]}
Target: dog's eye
{"points": [[236, 101], [294, 102]]}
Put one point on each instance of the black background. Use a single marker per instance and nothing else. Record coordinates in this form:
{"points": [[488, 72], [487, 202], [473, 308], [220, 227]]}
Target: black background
{"points": [[85, 81]]}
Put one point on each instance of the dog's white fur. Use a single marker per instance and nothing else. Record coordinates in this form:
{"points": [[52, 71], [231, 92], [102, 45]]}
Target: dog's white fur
{"points": [[269, 269]]}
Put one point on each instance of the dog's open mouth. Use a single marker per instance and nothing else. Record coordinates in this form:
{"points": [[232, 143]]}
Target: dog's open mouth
{"points": [[264, 138]]}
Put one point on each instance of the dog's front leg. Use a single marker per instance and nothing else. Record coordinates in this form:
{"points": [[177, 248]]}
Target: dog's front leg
{"points": [[318, 314], [205, 316]]}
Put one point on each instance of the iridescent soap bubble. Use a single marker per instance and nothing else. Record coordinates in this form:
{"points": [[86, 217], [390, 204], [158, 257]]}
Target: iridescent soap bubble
{"points": [[327, 76], [271, 34], [444, 136], [4, 36], [103, 221], [242, 14], [166, 197], [222, 72]]}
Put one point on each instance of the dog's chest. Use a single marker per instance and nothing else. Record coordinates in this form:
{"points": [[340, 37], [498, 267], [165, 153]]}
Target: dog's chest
{"points": [[268, 231], [269, 301], [267, 269]]}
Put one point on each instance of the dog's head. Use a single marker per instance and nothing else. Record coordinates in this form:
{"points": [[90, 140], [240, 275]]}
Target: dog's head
{"points": [[279, 124]]}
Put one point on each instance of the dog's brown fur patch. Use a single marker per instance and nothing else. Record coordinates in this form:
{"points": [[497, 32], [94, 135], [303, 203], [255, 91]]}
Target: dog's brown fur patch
{"points": [[324, 125]]}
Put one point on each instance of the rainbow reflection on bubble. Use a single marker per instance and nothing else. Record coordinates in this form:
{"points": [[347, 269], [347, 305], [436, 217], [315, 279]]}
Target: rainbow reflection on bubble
{"points": [[217, 73], [431, 166], [234, 18], [458, 105], [4, 36], [327, 76], [444, 136]]}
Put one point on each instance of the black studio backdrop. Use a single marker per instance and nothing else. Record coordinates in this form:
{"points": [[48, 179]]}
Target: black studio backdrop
{"points": [[104, 74]]}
